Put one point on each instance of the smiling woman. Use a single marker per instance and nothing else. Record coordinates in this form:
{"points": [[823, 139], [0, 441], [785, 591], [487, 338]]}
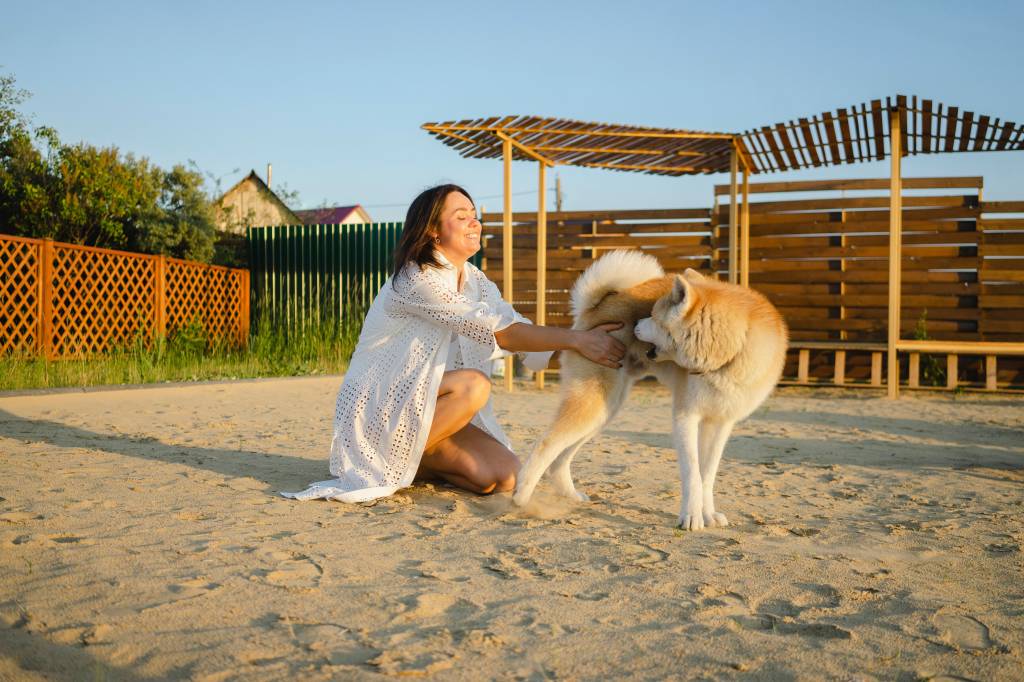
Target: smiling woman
{"points": [[415, 402]]}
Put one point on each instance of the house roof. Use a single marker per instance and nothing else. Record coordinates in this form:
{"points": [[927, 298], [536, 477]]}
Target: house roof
{"points": [[331, 215], [262, 186], [849, 135]]}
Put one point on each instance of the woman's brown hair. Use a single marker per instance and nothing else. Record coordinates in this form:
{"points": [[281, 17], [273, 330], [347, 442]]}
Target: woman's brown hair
{"points": [[416, 245]]}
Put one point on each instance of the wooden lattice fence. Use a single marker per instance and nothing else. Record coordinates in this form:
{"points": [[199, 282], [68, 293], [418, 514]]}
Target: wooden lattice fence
{"points": [[67, 301]]}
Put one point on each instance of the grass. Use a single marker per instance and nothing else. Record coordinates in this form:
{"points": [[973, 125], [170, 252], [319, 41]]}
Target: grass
{"points": [[314, 346]]}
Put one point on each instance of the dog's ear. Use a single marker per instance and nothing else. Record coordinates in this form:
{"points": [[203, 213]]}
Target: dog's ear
{"points": [[680, 290], [692, 275]]}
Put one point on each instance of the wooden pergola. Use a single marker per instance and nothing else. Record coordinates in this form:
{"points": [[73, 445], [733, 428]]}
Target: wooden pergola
{"points": [[871, 131]]}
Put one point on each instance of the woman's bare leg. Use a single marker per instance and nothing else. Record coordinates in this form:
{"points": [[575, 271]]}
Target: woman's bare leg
{"points": [[463, 393], [473, 460]]}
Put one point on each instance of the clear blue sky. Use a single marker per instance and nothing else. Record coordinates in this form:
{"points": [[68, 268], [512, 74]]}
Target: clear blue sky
{"points": [[333, 93]]}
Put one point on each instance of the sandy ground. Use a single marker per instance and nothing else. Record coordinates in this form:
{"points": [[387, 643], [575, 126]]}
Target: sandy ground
{"points": [[141, 537]]}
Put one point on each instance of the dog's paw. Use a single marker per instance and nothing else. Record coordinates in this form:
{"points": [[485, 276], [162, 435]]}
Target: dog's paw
{"points": [[691, 522], [579, 497], [520, 498], [715, 520], [691, 516]]}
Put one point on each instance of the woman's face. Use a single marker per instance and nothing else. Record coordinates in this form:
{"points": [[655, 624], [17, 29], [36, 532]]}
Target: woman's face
{"points": [[459, 230]]}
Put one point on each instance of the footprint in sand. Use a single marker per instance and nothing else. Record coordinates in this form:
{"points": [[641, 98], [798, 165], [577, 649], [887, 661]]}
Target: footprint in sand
{"points": [[962, 633], [432, 604], [294, 571], [337, 644]]}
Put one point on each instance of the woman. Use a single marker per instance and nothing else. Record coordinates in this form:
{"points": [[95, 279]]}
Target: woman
{"points": [[415, 402]]}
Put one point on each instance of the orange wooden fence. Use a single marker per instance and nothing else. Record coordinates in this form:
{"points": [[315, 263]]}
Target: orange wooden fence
{"points": [[66, 301]]}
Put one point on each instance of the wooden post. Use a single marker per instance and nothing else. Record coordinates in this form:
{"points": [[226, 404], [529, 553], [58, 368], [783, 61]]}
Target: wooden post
{"points": [[733, 221], [895, 249], [991, 373], [542, 256], [745, 230], [952, 370], [46, 323], [839, 375], [506, 244], [160, 297], [803, 365], [914, 371], [243, 298], [876, 368]]}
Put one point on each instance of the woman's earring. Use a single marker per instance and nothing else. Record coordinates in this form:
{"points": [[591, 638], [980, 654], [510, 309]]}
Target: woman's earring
{"points": [[437, 240]]}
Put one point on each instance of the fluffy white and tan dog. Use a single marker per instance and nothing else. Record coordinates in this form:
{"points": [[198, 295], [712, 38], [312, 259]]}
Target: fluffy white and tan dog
{"points": [[719, 347]]}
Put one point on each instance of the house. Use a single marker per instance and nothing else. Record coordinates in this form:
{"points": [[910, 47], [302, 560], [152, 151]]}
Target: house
{"points": [[334, 214], [249, 203]]}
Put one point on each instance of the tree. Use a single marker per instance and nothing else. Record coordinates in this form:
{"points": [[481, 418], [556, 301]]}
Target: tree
{"points": [[185, 227], [96, 196]]}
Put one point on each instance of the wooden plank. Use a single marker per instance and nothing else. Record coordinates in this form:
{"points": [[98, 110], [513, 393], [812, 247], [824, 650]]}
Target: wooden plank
{"points": [[914, 371], [830, 133], [839, 372], [805, 130], [966, 182], [965, 130], [804, 364], [876, 121], [587, 216], [951, 123], [991, 373], [1002, 207], [926, 125], [769, 137], [981, 134], [844, 130], [951, 371]]}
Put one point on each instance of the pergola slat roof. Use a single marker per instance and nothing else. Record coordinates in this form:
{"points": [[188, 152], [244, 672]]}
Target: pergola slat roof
{"points": [[847, 135], [662, 151]]}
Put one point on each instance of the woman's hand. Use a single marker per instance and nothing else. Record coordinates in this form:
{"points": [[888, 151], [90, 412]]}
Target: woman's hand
{"points": [[597, 345]]}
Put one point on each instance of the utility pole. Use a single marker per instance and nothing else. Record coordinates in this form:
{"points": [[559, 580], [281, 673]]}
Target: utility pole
{"points": [[558, 193]]}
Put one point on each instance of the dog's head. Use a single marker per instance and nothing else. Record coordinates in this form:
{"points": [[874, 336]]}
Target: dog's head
{"points": [[694, 324]]}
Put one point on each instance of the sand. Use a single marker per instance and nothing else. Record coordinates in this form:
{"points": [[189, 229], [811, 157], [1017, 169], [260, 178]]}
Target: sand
{"points": [[141, 536]]}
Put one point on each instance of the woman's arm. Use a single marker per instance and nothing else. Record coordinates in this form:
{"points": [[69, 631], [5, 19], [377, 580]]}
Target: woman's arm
{"points": [[594, 344]]}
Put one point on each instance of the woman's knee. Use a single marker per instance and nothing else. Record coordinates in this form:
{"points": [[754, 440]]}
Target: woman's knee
{"points": [[475, 386]]}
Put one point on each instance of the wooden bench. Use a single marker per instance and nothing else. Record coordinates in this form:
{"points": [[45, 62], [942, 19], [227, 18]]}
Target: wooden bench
{"points": [[990, 350]]}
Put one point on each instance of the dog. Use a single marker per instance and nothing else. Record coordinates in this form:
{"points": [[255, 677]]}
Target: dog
{"points": [[719, 347]]}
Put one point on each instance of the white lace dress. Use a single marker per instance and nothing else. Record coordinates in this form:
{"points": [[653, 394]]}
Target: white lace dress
{"points": [[413, 333]]}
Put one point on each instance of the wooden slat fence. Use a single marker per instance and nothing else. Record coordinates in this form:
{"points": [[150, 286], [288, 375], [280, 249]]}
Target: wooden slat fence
{"points": [[823, 260], [679, 238], [67, 301], [820, 253]]}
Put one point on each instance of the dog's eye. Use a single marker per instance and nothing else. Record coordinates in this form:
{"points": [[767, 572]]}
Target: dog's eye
{"points": [[652, 353]]}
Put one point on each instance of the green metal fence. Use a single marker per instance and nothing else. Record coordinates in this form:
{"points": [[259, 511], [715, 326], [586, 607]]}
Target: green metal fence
{"points": [[308, 273]]}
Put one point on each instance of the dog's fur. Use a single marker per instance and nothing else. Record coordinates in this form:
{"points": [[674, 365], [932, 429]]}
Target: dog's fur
{"points": [[719, 347]]}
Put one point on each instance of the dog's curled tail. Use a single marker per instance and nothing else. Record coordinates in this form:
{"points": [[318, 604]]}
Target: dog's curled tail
{"points": [[612, 272]]}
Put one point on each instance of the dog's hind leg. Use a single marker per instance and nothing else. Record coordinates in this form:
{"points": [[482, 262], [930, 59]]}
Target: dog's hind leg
{"points": [[561, 472], [713, 436], [583, 412]]}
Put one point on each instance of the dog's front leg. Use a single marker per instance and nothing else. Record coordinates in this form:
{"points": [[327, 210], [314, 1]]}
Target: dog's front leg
{"points": [[684, 433], [713, 436]]}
